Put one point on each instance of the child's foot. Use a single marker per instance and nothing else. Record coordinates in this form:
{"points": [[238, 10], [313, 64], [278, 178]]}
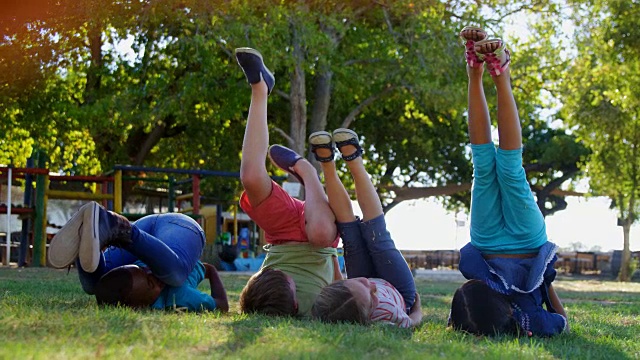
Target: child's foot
{"points": [[65, 245], [285, 159], [101, 228], [495, 54], [347, 142], [321, 146], [469, 36], [250, 60]]}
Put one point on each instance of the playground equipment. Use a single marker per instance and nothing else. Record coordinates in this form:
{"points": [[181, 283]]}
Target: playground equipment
{"points": [[35, 205], [108, 191]]}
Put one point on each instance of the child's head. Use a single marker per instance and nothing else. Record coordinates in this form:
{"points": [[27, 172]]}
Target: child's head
{"points": [[270, 292], [478, 309], [128, 285], [351, 300]]}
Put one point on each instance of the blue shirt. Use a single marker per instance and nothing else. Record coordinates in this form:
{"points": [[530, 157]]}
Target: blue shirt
{"points": [[187, 296], [524, 281]]}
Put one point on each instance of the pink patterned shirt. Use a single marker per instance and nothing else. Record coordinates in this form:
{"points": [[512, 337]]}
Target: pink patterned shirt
{"points": [[391, 306]]}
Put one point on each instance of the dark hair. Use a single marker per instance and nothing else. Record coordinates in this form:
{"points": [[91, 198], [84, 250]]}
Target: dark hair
{"points": [[478, 309], [336, 303], [127, 285], [114, 287], [268, 292]]}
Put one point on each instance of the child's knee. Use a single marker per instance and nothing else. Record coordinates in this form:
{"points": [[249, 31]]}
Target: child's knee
{"points": [[252, 177], [513, 175], [484, 176], [321, 234]]}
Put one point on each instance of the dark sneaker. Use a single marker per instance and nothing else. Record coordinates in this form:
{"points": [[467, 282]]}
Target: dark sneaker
{"points": [[64, 247], [285, 159], [101, 228], [250, 60]]}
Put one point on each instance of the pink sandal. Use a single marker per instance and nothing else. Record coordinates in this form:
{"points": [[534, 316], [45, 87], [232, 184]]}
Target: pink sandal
{"points": [[497, 60], [469, 36]]}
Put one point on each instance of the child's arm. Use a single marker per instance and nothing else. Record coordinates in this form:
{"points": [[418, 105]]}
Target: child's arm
{"points": [[337, 274], [416, 312], [218, 292], [557, 305]]}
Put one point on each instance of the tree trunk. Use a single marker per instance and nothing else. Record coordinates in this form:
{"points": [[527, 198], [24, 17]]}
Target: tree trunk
{"points": [[93, 73], [298, 98], [624, 274], [321, 101]]}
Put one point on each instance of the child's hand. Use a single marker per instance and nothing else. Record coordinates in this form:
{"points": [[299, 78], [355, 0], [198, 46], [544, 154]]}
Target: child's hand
{"points": [[416, 311], [218, 292], [417, 305]]}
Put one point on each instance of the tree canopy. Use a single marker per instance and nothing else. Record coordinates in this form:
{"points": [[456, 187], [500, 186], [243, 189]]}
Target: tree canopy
{"points": [[600, 93], [155, 83]]}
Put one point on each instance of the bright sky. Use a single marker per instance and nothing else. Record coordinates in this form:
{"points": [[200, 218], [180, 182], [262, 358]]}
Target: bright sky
{"points": [[425, 225]]}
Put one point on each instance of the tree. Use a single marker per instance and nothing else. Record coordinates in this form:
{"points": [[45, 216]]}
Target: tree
{"points": [[393, 71], [602, 102]]}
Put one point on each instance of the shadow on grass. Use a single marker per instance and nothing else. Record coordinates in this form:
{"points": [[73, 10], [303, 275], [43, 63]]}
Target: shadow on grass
{"points": [[573, 346], [306, 338]]}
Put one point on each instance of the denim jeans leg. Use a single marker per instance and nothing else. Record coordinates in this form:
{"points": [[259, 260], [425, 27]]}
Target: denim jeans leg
{"points": [[111, 258], [356, 255], [389, 263], [170, 244]]}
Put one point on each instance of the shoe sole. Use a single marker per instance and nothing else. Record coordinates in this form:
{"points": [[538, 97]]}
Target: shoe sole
{"points": [[64, 246], [319, 138], [472, 28], [89, 250], [340, 135]]}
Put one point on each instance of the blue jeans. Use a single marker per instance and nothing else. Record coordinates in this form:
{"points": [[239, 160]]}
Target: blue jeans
{"points": [[504, 215], [169, 244], [370, 252]]}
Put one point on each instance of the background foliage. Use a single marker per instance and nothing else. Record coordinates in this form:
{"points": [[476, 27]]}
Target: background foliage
{"points": [[155, 83]]}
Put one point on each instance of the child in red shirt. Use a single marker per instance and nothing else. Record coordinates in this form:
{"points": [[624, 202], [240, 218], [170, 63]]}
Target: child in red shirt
{"points": [[286, 221]]}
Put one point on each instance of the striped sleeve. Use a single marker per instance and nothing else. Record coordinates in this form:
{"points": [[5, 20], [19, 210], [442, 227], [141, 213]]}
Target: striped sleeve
{"points": [[391, 306]]}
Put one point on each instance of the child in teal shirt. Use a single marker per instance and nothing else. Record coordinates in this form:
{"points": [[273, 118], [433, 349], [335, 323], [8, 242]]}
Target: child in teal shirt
{"points": [[135, 285]]}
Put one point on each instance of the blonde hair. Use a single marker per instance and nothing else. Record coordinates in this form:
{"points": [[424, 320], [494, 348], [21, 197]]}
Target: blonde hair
{"points": [[336, 303]]}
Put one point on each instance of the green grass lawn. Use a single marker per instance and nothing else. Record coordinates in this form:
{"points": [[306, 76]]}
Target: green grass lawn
{"points": [[45, 315]]}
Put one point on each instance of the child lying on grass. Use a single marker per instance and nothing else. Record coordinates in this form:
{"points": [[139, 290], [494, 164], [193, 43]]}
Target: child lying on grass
{"points": [[152, 262], [380, 286]]}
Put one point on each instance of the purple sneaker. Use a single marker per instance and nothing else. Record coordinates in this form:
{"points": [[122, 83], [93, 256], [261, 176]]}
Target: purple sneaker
{"points": [[285, 159], [253, 67]]}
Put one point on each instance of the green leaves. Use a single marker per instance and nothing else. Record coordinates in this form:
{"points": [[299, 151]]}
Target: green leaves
{"points": [[392, 71], [601, 102]]}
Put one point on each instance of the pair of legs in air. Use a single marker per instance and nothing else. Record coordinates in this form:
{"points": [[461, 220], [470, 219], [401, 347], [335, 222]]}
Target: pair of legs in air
{"points": [[369, 250], [505, 219], [284, 219], [258, 185], [98, 240], [504, 215]]}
